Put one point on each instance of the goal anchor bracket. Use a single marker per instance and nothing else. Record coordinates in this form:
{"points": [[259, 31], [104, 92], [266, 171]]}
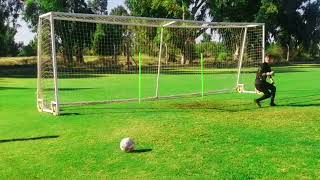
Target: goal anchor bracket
{"points": [[240, 89]]}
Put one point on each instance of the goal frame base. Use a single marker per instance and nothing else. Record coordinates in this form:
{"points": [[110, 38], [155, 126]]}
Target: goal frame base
{"points": [[241, 89]]}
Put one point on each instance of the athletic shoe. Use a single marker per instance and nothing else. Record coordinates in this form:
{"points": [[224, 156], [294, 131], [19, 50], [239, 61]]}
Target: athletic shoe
{"points": [[273, 104], [257, 103]]}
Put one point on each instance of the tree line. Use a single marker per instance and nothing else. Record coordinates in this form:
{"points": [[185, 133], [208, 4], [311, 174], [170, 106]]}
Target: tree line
{"points": [[291, 25]]}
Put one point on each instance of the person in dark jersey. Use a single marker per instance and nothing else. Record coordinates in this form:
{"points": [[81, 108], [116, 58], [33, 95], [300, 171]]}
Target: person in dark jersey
{"points": [[261, 84]]}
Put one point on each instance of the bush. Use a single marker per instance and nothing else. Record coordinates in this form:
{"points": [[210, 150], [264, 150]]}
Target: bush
{"points": [[276, 51], [28, 50], [303, 57], [223, 56], [209, 50]]}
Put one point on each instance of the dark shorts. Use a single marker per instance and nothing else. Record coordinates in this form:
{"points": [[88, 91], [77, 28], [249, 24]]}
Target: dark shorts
{"points": [[265, 87]]}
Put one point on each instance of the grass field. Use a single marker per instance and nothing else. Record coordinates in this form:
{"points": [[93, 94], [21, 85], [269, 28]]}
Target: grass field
{"points": [[219, 137]]}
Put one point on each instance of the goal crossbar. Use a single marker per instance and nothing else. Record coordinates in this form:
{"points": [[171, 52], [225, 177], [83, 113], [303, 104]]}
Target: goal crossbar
{"points": [[145, 21]]}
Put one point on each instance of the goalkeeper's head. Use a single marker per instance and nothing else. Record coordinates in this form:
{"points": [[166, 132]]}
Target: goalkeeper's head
{"points": [[268, 59]]}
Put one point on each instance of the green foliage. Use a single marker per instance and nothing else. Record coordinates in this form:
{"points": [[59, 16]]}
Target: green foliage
{"points": [[8, 47], [294, 23], [309, 33], [268, 14], [107, 39], [234, 10], [223, 56], [119, 11], [155, 8], [98, 6], [70, 40], [276, 51], [193, 10], [34, 8], [99, 37], [9, 12], [29, 50], [303, 57], [207, 49], [204, 48], [206, 37]]}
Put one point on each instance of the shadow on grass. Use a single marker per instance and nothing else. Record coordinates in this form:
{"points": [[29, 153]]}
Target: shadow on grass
{"points": [[14, 88], [189, 107], [302, 105], [69, 114], [75, 89], [310, 99], [48, 89], [141, 150], [28, 139]]}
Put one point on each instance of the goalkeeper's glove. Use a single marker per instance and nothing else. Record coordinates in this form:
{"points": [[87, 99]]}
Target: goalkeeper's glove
{"points": [[270, 73], [272, 81]]}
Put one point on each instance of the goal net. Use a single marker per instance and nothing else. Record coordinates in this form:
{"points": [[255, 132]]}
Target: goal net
{"points": [[88, 59]]}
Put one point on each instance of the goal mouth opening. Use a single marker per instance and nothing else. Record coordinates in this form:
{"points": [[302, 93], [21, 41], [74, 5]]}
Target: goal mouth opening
{"points": [[137, 100]]}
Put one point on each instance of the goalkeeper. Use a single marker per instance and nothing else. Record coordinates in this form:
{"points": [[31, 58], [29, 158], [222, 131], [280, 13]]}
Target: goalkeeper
{"points": [[268, 89]]}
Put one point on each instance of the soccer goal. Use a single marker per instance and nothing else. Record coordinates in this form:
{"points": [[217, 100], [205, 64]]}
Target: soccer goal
{"points": [[86, 59]]}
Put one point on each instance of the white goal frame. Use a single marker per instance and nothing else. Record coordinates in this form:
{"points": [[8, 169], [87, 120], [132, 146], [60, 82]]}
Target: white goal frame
{"points": [[54, 105]]}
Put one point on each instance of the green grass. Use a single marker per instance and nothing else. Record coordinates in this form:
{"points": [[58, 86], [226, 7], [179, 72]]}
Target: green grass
{"points": [[218, 137]]}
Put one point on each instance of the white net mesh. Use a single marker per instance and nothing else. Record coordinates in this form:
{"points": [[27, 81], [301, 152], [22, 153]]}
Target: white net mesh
{"points": [[98, 58]]}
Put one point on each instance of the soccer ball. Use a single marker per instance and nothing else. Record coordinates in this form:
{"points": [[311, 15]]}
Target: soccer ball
{"points": [[127, 145]]}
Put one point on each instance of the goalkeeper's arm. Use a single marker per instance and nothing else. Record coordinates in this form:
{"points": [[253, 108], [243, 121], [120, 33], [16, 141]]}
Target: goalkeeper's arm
{"points": [[271, 73]]}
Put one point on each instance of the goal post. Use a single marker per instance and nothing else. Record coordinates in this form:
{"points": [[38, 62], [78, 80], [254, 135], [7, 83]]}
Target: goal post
{"points": [[86, 59]]}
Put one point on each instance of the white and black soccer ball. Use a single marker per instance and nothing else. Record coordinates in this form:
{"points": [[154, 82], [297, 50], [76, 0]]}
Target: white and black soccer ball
{"points": [[127, 145]]}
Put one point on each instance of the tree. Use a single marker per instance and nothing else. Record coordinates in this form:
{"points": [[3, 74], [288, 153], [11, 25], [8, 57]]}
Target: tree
{"points": [[291, 23], [99, 6], [9, 12], [34, 8], [71, 39], [107, 39], [233, 10], [310, 33], [29, 50], [191, 10], [119, 11]]}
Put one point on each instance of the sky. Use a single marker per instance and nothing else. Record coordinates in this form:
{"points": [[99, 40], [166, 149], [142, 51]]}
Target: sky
{"points": [[25, 35]]}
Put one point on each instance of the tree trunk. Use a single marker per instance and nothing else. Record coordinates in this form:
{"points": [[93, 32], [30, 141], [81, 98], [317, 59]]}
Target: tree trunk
{"points": [[79, 55], [115, 58], [182, 59], [128, 55], [67, 55], [166, 53], [67, 52], [288, 52]]}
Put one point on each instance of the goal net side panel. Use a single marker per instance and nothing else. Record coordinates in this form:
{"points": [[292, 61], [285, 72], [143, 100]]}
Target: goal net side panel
{"points": [[45, 91]]}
